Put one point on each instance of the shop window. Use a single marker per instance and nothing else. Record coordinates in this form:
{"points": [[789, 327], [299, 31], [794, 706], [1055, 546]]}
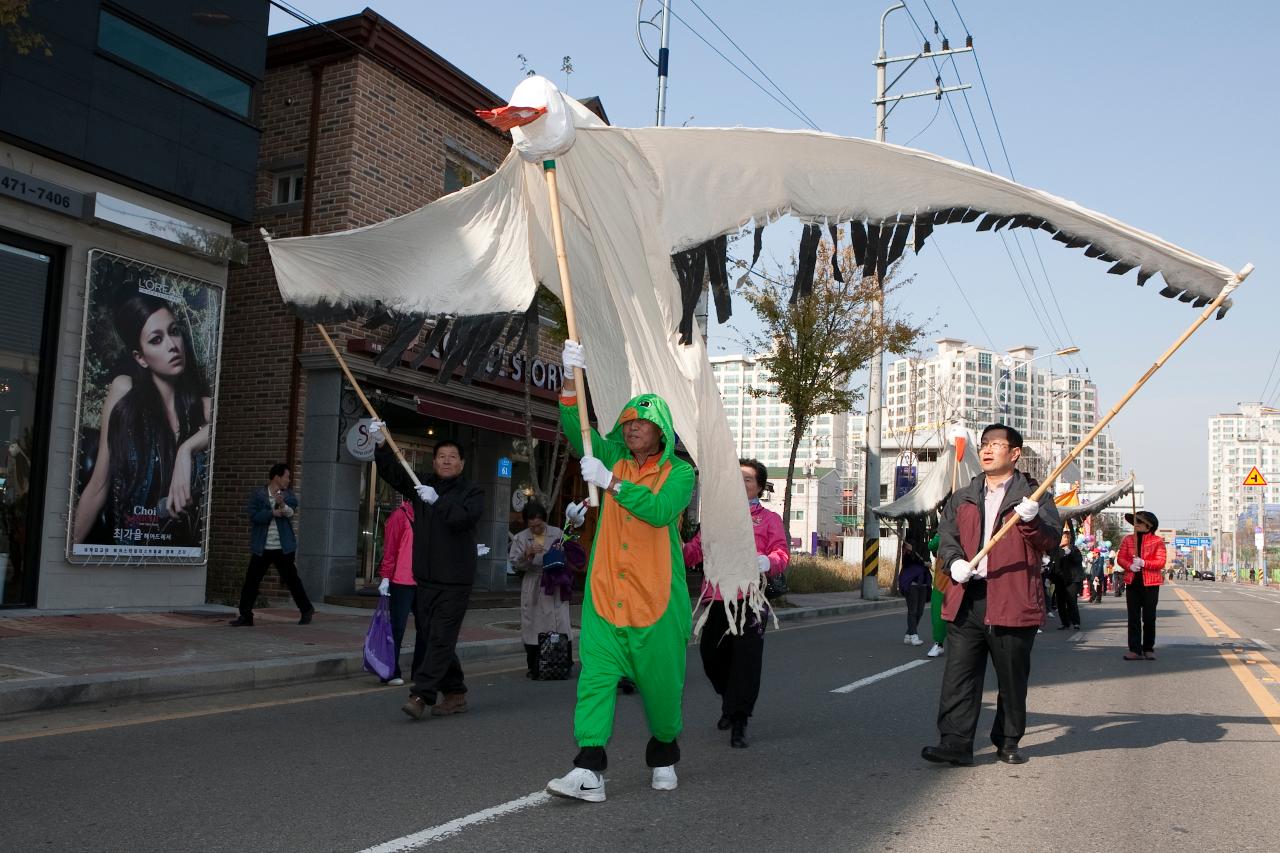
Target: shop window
{"points": [[156, 57]]}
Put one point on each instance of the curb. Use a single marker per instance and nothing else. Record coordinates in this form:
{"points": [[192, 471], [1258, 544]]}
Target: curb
{"points": [[46, 694]]}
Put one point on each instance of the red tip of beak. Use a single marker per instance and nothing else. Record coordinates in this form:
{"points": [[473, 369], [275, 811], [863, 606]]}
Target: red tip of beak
{"points": [[505, 118]]}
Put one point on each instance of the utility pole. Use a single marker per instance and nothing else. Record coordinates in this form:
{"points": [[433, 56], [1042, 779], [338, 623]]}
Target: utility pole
{"points": [[875, 382], [660, 61]]}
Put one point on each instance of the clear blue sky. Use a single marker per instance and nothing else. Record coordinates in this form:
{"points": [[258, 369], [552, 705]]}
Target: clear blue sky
{"points": [[1161, 114]]}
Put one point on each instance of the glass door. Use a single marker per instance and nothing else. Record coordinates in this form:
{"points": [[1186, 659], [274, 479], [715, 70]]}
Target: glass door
{"points": [[29, 278]]}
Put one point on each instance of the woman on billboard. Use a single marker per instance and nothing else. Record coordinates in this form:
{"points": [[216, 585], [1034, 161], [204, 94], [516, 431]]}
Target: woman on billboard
{"points": [[154, 434]]}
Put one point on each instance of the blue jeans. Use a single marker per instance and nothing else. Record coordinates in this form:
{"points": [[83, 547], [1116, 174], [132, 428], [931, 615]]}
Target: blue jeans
{"points": [[402, 596]]}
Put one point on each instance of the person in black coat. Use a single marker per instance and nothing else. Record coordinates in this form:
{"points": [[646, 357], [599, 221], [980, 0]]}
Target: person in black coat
{"points": [[1066, 565], [446, 510]]}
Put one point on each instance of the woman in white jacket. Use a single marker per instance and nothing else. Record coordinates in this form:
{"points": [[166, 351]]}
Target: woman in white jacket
{"points": [[540, 611]]}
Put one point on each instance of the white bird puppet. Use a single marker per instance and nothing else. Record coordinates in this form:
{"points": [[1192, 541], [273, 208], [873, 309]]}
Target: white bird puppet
{"points": [[645, 212]]}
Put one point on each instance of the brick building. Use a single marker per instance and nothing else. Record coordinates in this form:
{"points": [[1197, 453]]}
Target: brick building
{"points": [[360, 123]]}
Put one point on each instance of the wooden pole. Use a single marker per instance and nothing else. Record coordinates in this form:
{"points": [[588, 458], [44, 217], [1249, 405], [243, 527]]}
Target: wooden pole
{"points": [[1102, 424], [571, 320], [373, 413]]}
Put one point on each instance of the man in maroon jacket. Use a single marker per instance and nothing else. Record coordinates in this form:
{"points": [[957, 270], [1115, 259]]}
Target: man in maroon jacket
{"points": [[994, 607]]}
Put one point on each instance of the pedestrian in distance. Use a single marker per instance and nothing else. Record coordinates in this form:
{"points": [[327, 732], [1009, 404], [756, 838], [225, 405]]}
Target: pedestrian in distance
{"points": [[733, 661], [1067, 567], [636, 617], [1142, 556], [446, 509], [541, 610], [936, 622], [396, 571], [995, 607], [272, 542], [1097, 575], [914, 584], [1117, 577]]}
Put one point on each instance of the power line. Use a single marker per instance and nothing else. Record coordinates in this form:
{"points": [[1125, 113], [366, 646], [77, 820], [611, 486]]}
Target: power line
{"points": [[738, 68], [749, 59], [1263, 396]]}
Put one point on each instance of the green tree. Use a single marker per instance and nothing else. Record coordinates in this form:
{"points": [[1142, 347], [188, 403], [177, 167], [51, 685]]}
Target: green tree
{"points": [[23, 39], [812, 346]]}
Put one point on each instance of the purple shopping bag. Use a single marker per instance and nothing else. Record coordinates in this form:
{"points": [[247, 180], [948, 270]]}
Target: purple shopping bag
{"points": [[379, 646]]}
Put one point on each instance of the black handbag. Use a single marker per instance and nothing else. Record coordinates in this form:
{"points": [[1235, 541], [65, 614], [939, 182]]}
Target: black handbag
{"points": [[776, 585], [554, 661]]}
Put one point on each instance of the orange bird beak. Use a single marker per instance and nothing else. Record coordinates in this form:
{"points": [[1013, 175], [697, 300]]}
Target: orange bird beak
{"points": [[505, 118]]}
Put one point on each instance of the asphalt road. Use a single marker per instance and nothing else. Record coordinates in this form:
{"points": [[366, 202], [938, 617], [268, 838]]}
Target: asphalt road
{"points": [[1176, 754]]}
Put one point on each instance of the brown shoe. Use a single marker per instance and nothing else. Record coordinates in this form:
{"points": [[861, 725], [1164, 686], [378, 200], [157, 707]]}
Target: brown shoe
{"points": [[1132, 656], [1149, 655], [452, 703], [415, 707]]}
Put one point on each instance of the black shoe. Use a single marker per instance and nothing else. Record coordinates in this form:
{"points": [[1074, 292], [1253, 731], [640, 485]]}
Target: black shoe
{"points": [[947, 755], [723, 723], [1077, 627], [241, 622], [1011, 756], [738, 737], [628, 686], [306, 617]]}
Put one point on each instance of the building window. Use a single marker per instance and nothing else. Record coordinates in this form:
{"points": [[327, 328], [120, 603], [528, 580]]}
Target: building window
{"points": [[797, 515], [172, 64], [984, 361], [459, 173], [287, 187]]}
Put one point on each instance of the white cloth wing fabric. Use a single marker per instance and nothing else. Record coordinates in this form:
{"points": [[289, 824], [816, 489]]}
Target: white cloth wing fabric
{"points": [[630, 198]]}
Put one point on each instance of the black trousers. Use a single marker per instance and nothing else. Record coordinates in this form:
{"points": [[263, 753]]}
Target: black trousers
{"points": [[401, 605], [732, 662], [1141, 601], [437, 615], [1068, 604], [288, 570], [969, 643], [917, 598]]}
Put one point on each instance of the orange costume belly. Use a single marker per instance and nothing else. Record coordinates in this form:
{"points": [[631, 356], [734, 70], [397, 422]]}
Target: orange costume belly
{"points": [[631, 566]]}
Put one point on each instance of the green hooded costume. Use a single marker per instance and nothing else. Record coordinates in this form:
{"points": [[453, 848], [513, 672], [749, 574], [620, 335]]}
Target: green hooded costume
{"points": [[636, 616]]}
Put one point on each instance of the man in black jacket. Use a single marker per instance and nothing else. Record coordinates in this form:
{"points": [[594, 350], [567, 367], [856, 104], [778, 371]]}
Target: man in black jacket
{"points": [[1066, 564], [446, 509]]}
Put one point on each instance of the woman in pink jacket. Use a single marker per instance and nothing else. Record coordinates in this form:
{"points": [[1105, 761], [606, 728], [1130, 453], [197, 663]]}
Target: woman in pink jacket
{"points": [[732, 661], [396, 570]]}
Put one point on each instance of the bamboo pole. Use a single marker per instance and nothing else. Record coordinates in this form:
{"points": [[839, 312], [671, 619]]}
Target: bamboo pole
{"points": [[1102, 424], [566, 295], [373, 413]]}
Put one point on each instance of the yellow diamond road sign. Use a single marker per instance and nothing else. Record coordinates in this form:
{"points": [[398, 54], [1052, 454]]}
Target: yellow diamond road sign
{"points": [[1255, 478]]}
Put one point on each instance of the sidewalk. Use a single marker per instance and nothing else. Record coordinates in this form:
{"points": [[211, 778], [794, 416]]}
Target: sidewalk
{"points": [[52, 660]]}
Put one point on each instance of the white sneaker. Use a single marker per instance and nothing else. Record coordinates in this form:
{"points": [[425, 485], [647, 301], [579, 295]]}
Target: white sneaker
{"points": [[579, 784], [664, 778], [396, 682], [916, 641], [906, 639], [937, 651]]}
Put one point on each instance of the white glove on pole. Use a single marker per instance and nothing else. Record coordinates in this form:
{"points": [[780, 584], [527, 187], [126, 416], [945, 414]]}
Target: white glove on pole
{"points": [[481, 549], [384, 588], [763, 563], [576, 514], [426, 494], [378, 432], [961, 571], [980, 571], [1027, 509], [572, 356], [1136, 564], [595, 472]]}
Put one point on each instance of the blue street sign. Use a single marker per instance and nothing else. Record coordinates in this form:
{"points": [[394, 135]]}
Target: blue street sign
{"points": [[504, 468]]}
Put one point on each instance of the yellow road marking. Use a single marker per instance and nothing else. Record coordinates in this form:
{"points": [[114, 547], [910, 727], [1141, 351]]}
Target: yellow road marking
{"points": [[1242, 663]]}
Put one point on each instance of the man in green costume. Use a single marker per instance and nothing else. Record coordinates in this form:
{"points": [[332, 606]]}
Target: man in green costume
{"points": [[636, 616]]}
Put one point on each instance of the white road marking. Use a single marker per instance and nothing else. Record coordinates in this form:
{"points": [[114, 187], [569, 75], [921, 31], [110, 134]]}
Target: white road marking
{"points": [[453, 827], [1077, 637], [1261, 597], [872, 679]]}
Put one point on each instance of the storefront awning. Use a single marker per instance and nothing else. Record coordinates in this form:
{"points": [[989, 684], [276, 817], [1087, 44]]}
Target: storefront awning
{"points": [[491, 419]]}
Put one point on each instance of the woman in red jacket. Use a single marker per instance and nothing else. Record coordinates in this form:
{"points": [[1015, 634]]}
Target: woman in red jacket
{"points": [[1142, 558]]}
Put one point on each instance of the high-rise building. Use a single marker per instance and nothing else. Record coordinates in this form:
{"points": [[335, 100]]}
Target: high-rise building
{"points": [[1239, 442]]}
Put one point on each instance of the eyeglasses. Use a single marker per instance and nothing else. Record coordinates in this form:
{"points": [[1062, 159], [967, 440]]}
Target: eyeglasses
{"points": [[993, 445]]}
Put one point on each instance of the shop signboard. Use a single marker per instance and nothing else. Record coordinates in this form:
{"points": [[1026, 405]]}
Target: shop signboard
{"points": [[149, 357], [360, 444]]}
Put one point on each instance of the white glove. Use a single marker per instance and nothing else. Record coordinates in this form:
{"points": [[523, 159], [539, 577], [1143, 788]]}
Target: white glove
{"points": [[595, 472], [980, 571], [1027, 509], [572, 356], [961, 571], [378, 432], [426, 494], [1137, 564], [384, 588], [481, 549], [576, 514], [762, 562]]}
